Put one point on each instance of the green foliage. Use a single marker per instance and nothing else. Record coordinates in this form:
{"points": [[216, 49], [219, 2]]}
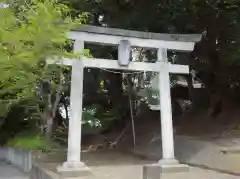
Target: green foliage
{"points": [[31, 32], [96, 116], [31, 141]]}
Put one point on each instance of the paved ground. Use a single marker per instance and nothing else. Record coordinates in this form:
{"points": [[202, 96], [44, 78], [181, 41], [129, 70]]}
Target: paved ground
{"points": [[114, 165], [198, 153], [9, 172], [130, 172], [122, 166]]}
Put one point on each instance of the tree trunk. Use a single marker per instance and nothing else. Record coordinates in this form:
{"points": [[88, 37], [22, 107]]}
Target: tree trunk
{"points": [[49, 128]]}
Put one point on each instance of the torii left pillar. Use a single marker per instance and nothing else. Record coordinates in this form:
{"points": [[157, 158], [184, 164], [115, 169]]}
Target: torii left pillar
{"points": [[74, 167]]}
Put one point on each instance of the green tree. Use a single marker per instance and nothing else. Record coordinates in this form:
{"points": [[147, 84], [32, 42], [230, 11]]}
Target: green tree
{"points": [[30, 33]]}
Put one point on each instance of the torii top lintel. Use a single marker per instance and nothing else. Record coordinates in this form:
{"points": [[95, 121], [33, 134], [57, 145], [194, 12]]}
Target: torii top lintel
{"points": [[112, 36]]}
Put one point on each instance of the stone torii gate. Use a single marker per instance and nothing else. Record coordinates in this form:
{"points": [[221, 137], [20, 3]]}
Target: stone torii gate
{"points": [[125, 39]]}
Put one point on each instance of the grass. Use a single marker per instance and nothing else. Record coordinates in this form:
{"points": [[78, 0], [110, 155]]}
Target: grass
{"points": [[32, 141]]}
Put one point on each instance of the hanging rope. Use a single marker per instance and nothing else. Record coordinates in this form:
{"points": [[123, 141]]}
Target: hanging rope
{"points": [[123, 73], [130, 104], [131, 112]]}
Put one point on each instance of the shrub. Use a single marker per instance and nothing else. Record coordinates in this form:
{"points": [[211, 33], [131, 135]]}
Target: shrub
{"points": [[31, 141]]}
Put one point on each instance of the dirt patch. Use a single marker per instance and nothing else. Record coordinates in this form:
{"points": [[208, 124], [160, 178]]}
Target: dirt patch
{"points": [[201, 124], [148, 129]]}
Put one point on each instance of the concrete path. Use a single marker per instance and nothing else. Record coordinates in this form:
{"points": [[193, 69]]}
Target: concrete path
{"points": [[198, 153], [9, 172], [114, 165]]}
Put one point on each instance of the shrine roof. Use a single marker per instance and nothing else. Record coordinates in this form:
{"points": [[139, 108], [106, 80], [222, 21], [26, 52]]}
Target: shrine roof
{"points": [[138, 34]]}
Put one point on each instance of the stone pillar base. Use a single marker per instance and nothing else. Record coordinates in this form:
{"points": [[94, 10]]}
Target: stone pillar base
{"points": [[155, 171], [168, 162], [69, 170]]}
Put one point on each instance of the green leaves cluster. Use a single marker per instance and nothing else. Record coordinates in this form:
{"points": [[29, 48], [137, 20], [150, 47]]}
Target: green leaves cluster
{"points": [[95, 115], [30, 33]]}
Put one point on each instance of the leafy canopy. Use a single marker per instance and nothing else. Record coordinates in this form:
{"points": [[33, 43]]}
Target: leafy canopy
{"points": [[30, 32]]}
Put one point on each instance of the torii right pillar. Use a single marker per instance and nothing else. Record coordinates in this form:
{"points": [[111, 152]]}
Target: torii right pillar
{"points": [[168, 164], [168, 156]]}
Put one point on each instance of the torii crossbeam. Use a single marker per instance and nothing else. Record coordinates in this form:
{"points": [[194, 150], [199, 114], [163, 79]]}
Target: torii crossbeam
{"points": [[109, 36]]}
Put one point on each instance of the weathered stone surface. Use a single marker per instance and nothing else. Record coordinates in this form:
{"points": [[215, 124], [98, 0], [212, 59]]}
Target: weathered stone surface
{"points": [[74, 172], [155, 171], [20, 158], [138, 34]]}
